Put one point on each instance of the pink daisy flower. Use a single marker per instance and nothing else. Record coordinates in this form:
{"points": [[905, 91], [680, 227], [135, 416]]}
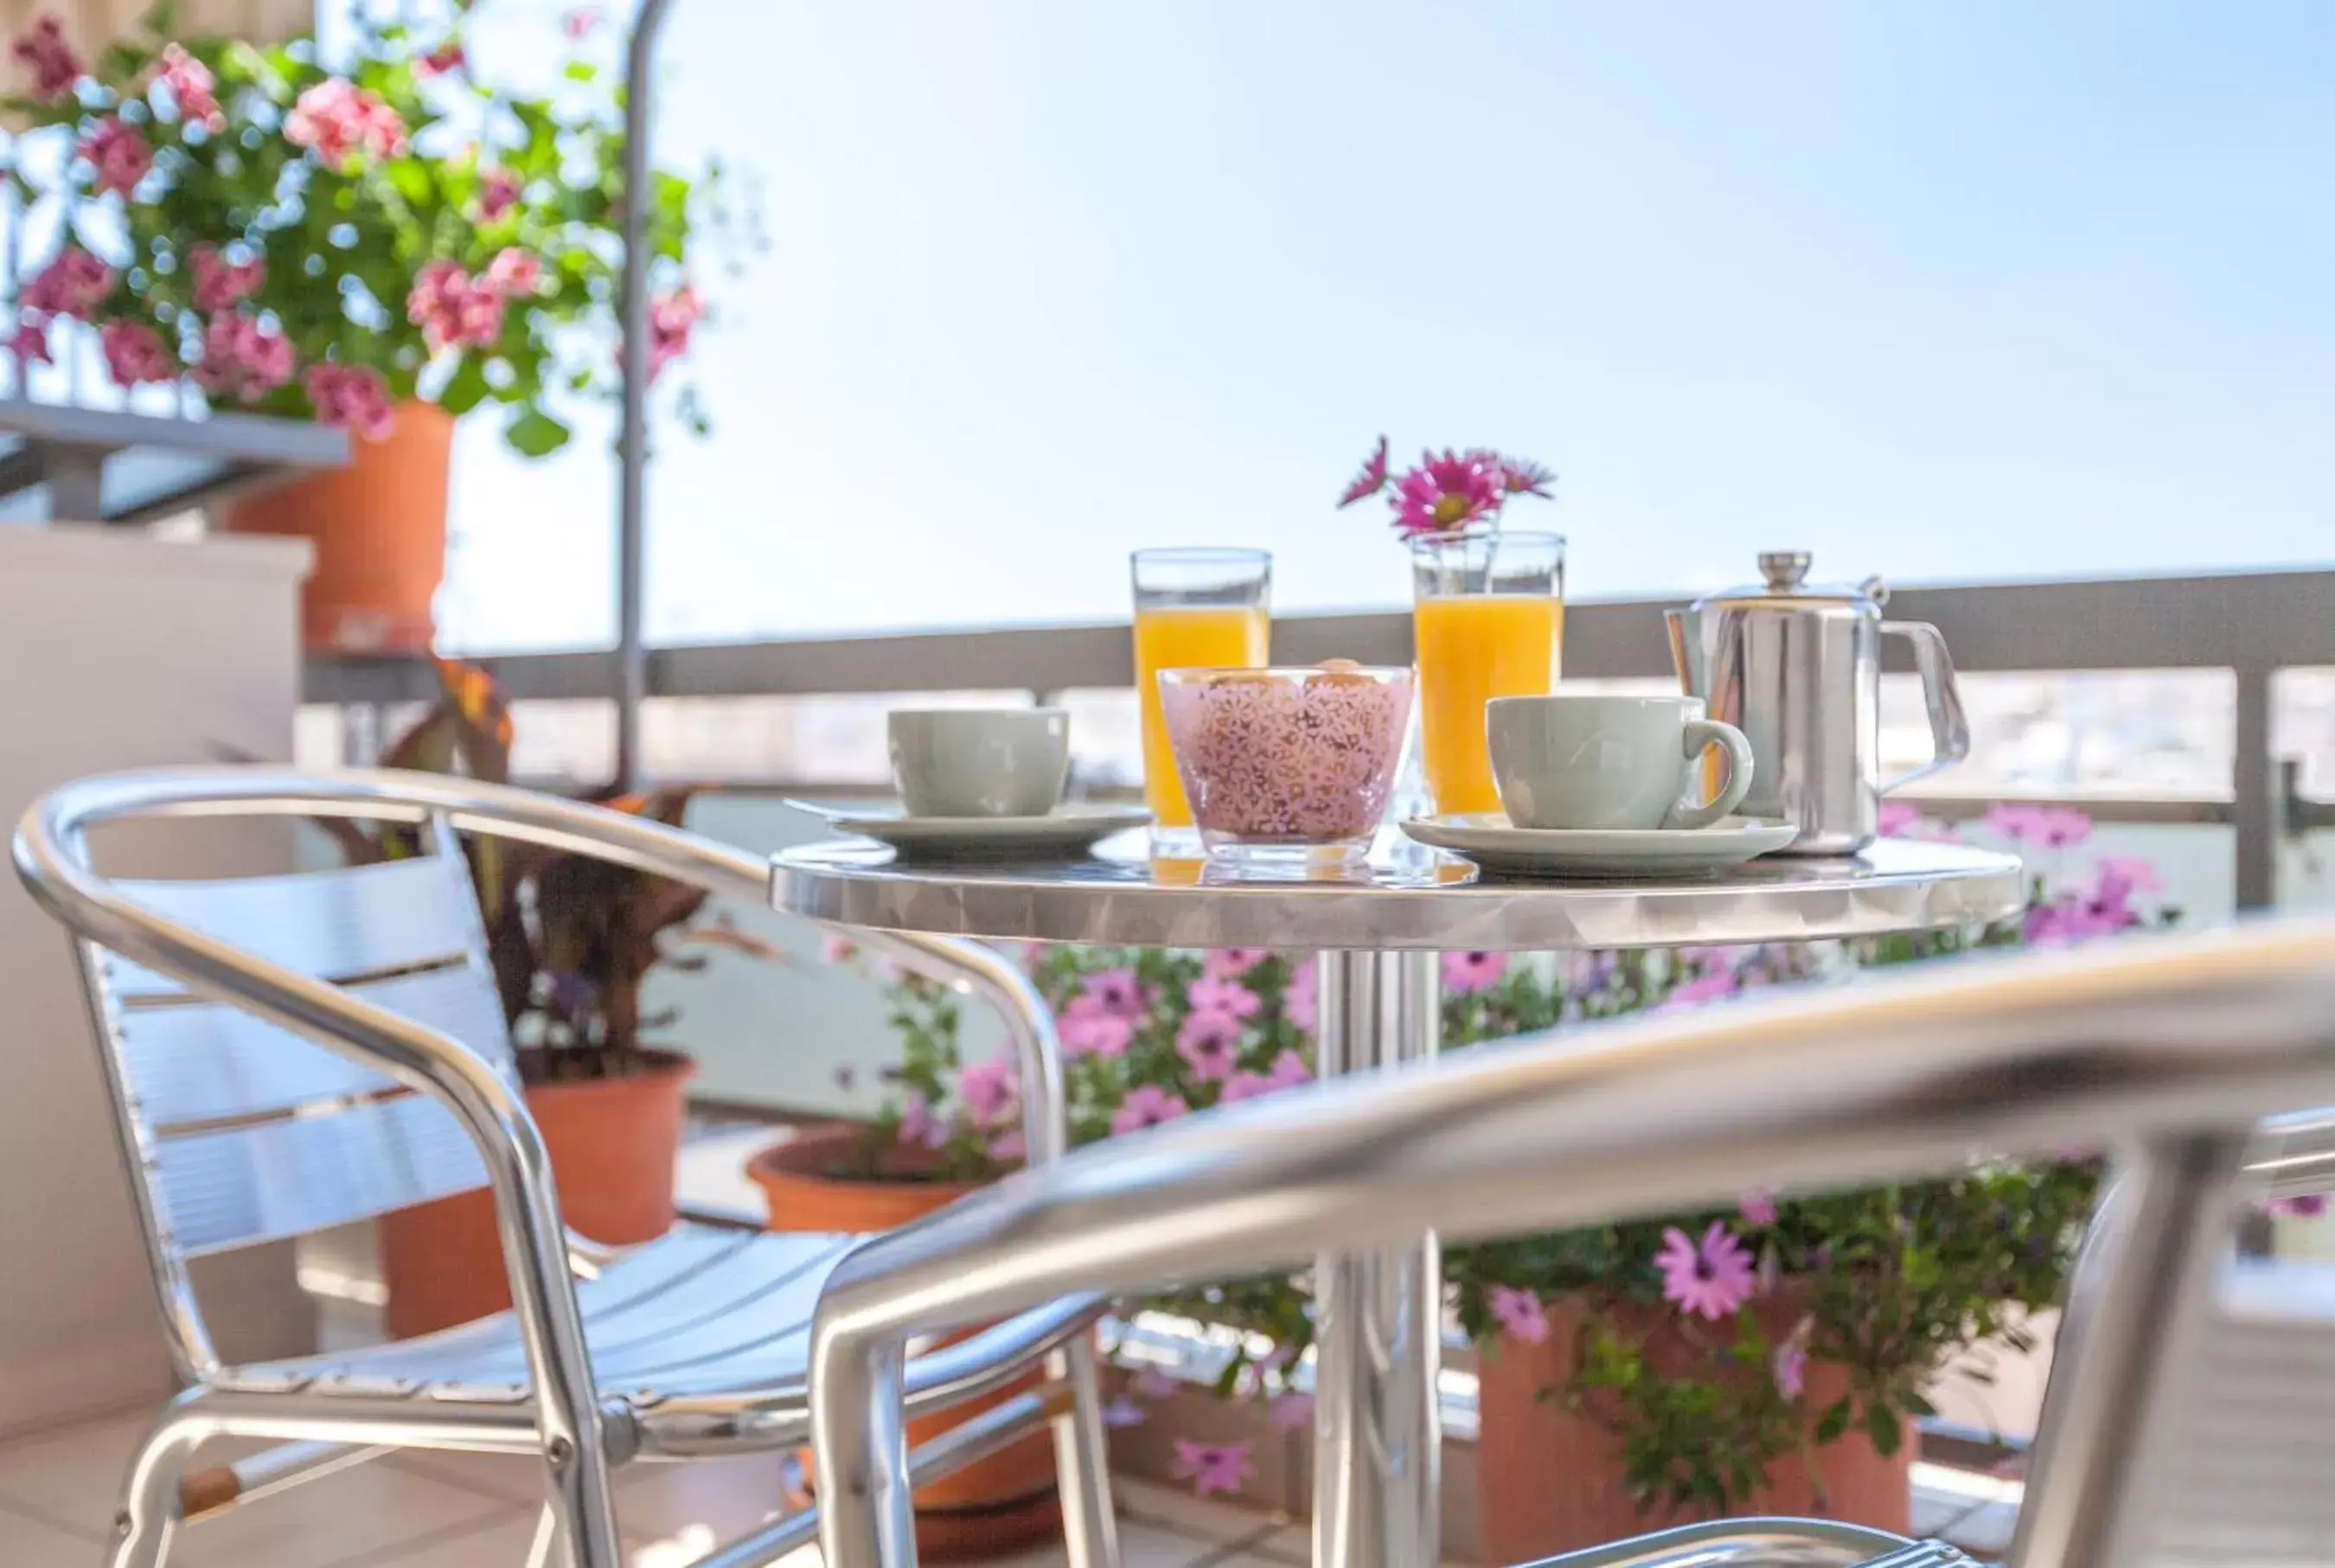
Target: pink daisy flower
{"points": [[1229, 997], [1445, 494], [1103, 1034], [1232, 963], [1758, 1206], [1213, 1466], [1371, 480], [1146, 1105], [1466, 973], [1519, 1314], [1113, 990], [1209, 1043], [1712, 1279], [990, 1090]]}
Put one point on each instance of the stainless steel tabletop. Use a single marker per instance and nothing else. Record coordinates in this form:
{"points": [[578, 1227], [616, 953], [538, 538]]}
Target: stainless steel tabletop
{"points": [[1406, 897]]}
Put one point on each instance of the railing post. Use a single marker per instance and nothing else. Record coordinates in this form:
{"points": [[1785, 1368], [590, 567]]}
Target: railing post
{"points": [[2255, 789]]}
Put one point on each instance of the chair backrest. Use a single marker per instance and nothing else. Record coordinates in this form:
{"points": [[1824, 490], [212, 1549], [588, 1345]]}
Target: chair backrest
{"points": [[242, 1132]]}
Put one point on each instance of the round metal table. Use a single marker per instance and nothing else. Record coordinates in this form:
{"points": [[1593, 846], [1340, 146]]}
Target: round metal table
{"points": [[1379, 930]]}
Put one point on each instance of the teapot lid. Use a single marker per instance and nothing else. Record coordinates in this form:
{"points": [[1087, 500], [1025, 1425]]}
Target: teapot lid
{"points": [[1786, 586]]}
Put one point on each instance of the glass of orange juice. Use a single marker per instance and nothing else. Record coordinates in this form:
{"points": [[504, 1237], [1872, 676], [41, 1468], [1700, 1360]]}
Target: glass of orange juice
{"points": [[1488, 620], [1200, 608]]}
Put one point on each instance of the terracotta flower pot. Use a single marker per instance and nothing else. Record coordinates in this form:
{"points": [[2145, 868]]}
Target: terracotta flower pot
{"points": [[613, 1143], [1549, 1480], [379, 527], [999, 1505]]}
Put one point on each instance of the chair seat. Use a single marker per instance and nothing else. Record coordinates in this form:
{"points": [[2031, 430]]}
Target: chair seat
{"points": [[698, 1312]]}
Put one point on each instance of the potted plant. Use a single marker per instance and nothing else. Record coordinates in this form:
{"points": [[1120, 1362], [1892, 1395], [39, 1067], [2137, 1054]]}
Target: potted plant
{"points": [[384, 246], [571, 940], [1763, 1358]]}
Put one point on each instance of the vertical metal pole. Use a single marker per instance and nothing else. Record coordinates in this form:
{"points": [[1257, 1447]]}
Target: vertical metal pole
{"points": [[2141, 1292], [2254, 787], [632, 437], [1377, 1315]]}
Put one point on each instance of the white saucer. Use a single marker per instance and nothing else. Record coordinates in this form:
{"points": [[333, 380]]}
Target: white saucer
{"points": [[1066, 833], [1492, 842]]}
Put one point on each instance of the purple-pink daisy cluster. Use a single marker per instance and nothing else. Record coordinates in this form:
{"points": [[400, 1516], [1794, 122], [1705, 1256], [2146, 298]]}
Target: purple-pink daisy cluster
{"points": [[1710, 1278], [1446, 492]]}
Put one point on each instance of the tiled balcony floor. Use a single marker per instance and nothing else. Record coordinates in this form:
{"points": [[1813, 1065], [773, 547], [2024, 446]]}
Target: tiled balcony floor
{"points": [[58, 1491]]}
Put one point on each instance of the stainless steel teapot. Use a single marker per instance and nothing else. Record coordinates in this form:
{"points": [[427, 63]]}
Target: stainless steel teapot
{"points": [[1797, 669]]}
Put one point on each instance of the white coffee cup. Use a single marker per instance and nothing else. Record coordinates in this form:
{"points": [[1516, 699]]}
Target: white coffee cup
{"points": [[1593, 760], [980, 762]]}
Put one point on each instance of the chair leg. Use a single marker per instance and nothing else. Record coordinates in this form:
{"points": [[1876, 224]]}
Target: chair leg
{"points": [[580, 1512], [150, 1500], [543, 1550], [1082, 1462]]}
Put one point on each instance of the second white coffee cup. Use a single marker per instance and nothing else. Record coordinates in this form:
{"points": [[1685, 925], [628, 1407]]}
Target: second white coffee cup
{"points": [[1585, 760]]}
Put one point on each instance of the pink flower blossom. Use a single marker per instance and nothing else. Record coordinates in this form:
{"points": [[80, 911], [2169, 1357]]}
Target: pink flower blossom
{"points": [[1213, 1466], [192, 87], [499, 192], [351, 397], [337, 121], [1123, 1411], [452, 309], [918, 1125], [1702, 988], [1791, 1366], [1519, 1314], [1445, 494], [1713, 1279], [73, 284], [514, 272], [30, 342], [1103, 1034], [446, 57], [1300, 1000], [2301, 1206], [1523, 477], [837, 948], [1232, 963], [2048, 827], [1111, 991], [134, 353], [1466, 973], [55, 67], [579, 22], [671, 321], [991, 1091], [1758, 1206], [1146, 1105], [120, 155], [243, 358], [1287, 1071], [2129, 873], [1899, 818], [1290, 1412], [1209, 1043], [220, 284], [1371, 480], [1229, 997]]}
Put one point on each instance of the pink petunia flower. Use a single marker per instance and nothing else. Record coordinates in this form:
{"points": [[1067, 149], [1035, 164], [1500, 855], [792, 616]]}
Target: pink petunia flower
{"points": [[55, 66], [1123, 1412], [1712, 1279], [134, 353], [1146, 1105], [1300, 1000], [1445, 494], [352, 397], [1232, 963], [220, 284], [243, 358], [1466, 973], [991, 1091], [1758, 1206], [120, 155], [514, 272], [1111, 991], [1290, 1412], [1229, 997], [193, 88], [1519, 1314], [918, 1125], [1209, 1043], [30, 342], [499, 192], [1103, 1034], [338, 121], [1213, 1466], [1371, 480], [73, 284]]}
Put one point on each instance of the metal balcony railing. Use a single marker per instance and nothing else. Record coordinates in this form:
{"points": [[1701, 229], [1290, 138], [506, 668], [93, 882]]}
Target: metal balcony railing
{"points": [[2253, 625]]}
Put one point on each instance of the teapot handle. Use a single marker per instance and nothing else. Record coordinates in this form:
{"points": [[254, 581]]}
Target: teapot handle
{"points": [[1949, 725]]}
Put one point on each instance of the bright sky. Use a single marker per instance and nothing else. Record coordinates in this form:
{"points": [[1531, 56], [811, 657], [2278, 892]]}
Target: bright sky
{"points": [[1954, 289]]}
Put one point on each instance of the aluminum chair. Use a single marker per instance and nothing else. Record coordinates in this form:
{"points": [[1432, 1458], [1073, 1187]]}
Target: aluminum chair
{"points": [[212, 999], [2189, 1416]]}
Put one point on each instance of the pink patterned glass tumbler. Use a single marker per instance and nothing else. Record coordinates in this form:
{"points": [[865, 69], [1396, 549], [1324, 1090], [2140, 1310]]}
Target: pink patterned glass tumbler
{"points": [[1282, 763]]}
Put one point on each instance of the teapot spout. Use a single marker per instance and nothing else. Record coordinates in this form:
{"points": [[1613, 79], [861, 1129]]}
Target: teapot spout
{"points": [[1686, 652]]}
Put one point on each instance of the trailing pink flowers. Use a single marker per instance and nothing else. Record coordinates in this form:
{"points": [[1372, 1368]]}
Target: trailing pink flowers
{"points": [[55, 65], [73, 284], [499, 192], [242, 358], [453, 309], [120, 155], [350, 397], [134, 353], [193, 89], [1712, 1278], [1447, 492], [1519, 1313], [338, 121], [514, 272], [671, 319], [221, 285], [30, 342]]}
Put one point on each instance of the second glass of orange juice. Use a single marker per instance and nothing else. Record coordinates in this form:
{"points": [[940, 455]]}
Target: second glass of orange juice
{"points": [[1488, 622], [1200, 608]]}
